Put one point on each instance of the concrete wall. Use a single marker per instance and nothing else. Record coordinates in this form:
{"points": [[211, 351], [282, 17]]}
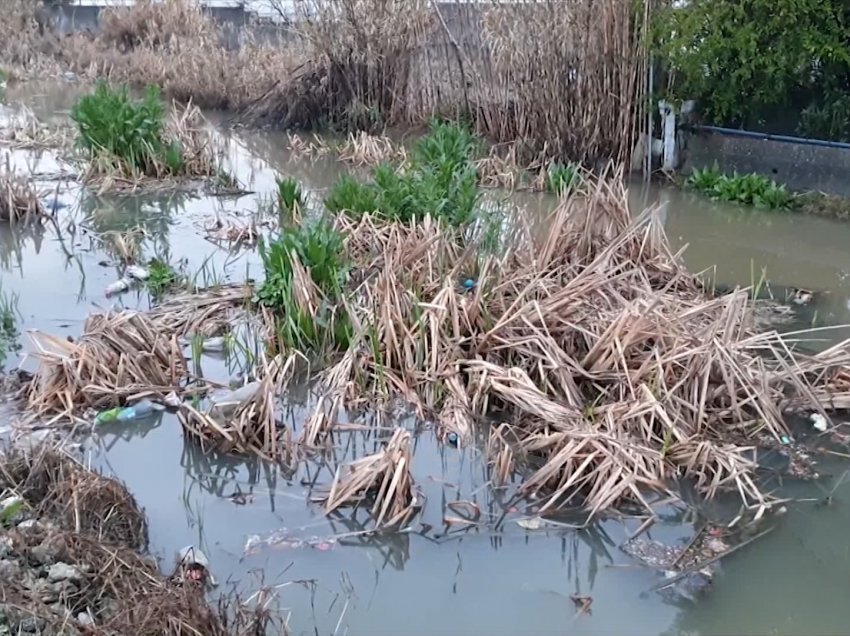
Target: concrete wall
{"points": [[799, 166]]}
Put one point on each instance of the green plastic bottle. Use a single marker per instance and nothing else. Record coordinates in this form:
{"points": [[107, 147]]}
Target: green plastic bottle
{"points": [[105, 417]]}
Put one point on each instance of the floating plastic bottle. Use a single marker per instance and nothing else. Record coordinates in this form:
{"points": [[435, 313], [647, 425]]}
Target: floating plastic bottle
{"points": [[139, 410]]}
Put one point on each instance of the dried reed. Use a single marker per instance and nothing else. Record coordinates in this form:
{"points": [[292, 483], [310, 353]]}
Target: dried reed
{"points": [[358, 60], [382, 480], [363, 149], [24, 131], [619, 373], [124, 356], [19, 202]]}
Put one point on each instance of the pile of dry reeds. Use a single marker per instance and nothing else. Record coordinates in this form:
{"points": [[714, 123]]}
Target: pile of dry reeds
{"points": [[363, 149], [54, 485], [124, 356], [358, 60], [381, 481], [23, 130], [152, 24], [616, 371], [19, 202]]}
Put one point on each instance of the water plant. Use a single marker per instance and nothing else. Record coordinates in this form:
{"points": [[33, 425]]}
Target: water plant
{"points": [[113, 125], [440, 180], [561, 177], [306, 269], [8, 324], [290, 198], [750, 189], [162, 277]]}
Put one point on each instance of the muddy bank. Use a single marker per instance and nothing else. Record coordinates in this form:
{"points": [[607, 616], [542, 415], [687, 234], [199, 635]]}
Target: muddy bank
{"points": [[73, 558]]}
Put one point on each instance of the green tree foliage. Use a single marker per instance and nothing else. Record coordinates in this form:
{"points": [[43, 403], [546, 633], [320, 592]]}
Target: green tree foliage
{"points": [[744, 59]]}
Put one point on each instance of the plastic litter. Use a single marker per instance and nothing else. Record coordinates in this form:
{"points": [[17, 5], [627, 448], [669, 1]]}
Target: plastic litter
{"points": [[128, 413], [194, 565], [785, 439], [819, 422], [137, 272], [215, 344], [224, 401], [468, 284], [118, 287], [453, 438]]}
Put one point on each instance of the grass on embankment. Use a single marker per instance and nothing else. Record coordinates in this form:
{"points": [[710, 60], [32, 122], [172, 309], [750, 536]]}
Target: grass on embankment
{"points": [[762, 192]]}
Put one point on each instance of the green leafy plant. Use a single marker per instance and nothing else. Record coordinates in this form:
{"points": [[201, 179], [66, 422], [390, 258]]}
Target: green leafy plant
{"points": [[827, 120], [742, 63], [290, 199], [115, 127], [162, 277], [750, 189], [8, 325], [441, 181], [318, 248], [562, 177]]}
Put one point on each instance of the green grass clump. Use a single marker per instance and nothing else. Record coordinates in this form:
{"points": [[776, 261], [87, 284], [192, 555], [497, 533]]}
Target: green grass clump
{"points": [[114, 126], [290, 198], [8, 325], [562, 177], [441, 180], [162, 277], [318, 247], [750, 189]]}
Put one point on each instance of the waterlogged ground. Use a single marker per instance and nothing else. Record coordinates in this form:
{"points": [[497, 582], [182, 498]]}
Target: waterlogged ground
{"points": [[257, 524]]}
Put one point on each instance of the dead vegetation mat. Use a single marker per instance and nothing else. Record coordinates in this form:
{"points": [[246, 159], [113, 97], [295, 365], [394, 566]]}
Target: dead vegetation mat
{"points": [[92, 523], [125, 356], [613, 372]]}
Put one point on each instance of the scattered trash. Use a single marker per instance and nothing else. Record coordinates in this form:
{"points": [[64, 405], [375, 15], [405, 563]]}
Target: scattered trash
{"points": [[453, 438], [469, 284], [193, 565], [819, 422], [224, 402], [800, 296], [582, 604], [9, 508], [241, 498], [137, 272], [216, 344], [785, 439], [128, 413], [172, 400], [118, 287], [534, 523], [283, 540], [69, 76]]}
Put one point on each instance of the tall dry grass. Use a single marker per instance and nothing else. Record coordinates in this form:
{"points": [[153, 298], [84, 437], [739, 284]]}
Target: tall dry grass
{"points": [[359, 56], [174, 45]]}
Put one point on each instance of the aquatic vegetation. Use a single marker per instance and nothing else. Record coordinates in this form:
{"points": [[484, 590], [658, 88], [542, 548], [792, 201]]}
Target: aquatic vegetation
{"points": [[162, 278], [133, 139], [750, 189], [8, 324], [306, 269], [19, 201], [440, 181], [562, 177], [290, 198], [113, 124]]}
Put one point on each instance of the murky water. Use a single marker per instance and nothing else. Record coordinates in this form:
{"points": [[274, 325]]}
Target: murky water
{"points": [[496, 578]]}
